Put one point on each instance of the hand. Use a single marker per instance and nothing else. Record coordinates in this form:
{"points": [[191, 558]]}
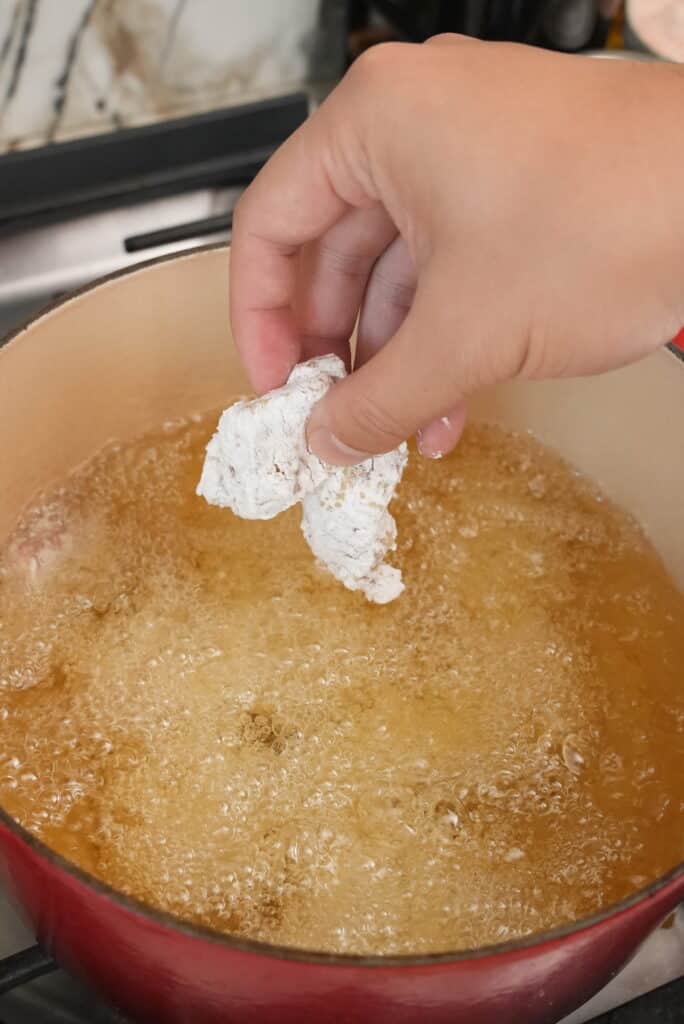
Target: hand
{"points": [[487, 210]]}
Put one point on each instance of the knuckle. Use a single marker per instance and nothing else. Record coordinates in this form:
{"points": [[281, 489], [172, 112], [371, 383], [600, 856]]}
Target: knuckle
{"points": [[537, 358], [348, 264], [370, 420], [377, 64], [397, 293], [444, 37]]}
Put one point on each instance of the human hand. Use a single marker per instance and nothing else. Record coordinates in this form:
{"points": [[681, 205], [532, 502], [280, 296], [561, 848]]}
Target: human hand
{"points": [[487, 211]]}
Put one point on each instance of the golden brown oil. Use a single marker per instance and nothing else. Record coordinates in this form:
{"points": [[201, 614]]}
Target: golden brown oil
{"points": [[191, 710]]}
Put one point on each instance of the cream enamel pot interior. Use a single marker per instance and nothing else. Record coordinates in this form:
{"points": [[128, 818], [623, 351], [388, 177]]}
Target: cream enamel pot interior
{"points": [[146, 346]]}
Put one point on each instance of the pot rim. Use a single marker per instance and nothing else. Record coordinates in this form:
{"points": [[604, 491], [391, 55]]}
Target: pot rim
{"points": [[205, 934]]}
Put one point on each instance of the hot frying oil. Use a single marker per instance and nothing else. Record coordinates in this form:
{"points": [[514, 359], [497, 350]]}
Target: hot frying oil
{"points": [[194, 712]]}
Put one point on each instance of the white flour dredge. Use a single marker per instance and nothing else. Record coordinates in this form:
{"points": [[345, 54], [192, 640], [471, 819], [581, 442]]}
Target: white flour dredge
{"points": [[258, 464]]}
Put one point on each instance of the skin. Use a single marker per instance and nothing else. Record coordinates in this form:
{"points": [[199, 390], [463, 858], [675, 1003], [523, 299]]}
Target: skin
{"points": [[486, 211]]}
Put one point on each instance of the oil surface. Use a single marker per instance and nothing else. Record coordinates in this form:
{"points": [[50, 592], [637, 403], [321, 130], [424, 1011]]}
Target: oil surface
{"points": [[194, 712]]}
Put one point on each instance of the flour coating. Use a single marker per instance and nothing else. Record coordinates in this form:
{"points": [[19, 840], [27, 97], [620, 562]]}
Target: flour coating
{"points": [[258, 464]]}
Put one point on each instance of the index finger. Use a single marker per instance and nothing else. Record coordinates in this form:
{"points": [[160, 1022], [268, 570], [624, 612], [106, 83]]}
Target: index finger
{"points": [[304, 189]]}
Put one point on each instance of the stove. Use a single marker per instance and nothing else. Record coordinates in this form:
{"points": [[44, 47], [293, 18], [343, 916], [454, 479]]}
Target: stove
{"points": [[74, 211], [45, 262], [52, 243]]}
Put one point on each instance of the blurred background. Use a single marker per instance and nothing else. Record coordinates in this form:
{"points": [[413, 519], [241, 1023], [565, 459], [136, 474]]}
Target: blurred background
{"points": [[128, 127], [70, 68]]}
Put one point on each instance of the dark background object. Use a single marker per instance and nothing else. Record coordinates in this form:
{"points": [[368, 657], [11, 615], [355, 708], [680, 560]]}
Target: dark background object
{"points": [[23, 967], [223, 147], [570, 25], [664, 1006], [180, 232]]}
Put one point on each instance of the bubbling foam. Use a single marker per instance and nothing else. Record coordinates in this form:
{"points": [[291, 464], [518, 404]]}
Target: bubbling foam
{"points": [[192, 711]]}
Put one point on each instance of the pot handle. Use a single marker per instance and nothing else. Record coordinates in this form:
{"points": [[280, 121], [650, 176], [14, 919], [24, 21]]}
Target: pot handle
{"points": [[23, 967], [679, 340]]}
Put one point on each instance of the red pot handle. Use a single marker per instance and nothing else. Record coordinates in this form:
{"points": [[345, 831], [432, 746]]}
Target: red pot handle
{"points": [[679, 340]]}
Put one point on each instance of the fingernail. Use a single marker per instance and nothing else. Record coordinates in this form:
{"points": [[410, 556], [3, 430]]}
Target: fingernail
{"points": [[426, 449], [438, 438], [323, 443]]}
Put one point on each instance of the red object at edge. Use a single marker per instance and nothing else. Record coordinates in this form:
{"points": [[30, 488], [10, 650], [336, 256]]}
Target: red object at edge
{"points": [[679, 340]]}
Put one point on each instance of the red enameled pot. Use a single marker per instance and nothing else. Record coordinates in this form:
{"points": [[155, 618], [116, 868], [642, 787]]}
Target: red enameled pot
{"points": [[143, 347]]}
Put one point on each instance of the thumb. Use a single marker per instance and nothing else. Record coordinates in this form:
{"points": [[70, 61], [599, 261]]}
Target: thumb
{"points": [[419, 376]]}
